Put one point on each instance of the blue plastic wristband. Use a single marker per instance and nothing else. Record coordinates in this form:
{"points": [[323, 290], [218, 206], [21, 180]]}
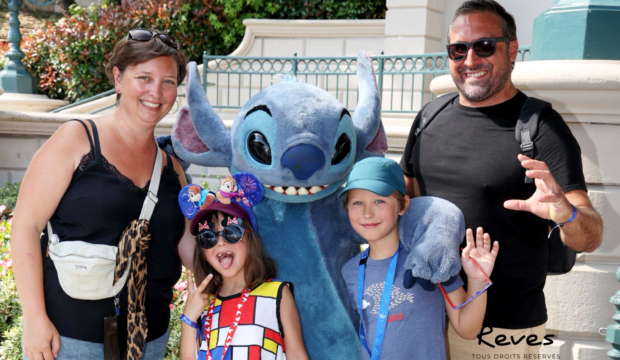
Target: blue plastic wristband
{"points": [[557, 225], [186, 320]]}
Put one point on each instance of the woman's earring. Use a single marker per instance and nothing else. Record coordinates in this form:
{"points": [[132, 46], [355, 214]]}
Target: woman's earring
{"points": [[177, 109], [118, 99]]}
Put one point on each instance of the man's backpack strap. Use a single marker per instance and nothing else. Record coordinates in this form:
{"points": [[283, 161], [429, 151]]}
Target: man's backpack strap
{"points": [[432, 109], [527, 126]]}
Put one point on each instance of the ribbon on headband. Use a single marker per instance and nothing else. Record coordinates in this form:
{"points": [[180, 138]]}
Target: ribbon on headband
{"points": [[203, 226]]}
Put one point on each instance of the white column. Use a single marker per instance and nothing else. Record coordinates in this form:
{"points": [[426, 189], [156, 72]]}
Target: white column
{"points": [[414, 26]]}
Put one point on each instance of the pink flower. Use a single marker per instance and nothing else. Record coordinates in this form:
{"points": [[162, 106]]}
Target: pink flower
{"points": [[184, 296], [171, 306], [10, 220], [2, 228], [5, 264], [2, 208], [181, 285]]}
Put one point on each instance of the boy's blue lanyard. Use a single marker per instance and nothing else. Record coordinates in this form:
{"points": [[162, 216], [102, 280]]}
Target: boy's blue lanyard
{"points": [[384, 307]]}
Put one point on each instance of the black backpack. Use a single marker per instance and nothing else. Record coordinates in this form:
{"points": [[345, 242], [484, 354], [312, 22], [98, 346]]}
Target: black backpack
{"points": [[561, 257]]}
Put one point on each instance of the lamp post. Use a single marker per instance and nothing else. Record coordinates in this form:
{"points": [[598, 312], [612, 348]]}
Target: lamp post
{"points": [[14, 78], [613, 331]]}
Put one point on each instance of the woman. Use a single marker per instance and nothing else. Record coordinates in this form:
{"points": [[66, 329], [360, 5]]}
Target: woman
{"points": [[90, 180]]}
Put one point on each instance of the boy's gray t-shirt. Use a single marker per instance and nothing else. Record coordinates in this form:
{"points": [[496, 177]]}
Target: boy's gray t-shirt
{"points": [[416, 317]]}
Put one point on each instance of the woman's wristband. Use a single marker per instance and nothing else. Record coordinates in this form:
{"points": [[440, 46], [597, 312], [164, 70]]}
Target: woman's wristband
{"points": [[557, 225], [186, 320]]}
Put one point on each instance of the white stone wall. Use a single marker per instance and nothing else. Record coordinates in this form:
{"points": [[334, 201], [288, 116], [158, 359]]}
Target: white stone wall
{"points": [[585, 93]]}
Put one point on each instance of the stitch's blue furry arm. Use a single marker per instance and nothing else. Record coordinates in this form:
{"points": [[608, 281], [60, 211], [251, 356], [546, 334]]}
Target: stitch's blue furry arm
{"points": [[432, 230]]}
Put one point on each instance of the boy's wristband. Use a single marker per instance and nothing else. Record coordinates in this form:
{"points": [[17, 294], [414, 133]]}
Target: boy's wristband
{"points": [[186, 320]]}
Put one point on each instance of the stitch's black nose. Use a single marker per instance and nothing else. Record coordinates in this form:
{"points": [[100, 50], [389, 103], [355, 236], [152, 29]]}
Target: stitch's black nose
{"points": [[303, 160]]}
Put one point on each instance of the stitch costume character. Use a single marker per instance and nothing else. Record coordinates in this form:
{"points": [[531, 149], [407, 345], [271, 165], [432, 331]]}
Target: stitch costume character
{"points": [[301, 143]]}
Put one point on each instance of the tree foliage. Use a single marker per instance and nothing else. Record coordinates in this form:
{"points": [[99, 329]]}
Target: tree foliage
{"points": [[68, 56]]}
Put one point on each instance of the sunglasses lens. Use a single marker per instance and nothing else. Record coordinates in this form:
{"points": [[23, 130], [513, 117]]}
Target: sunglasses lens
{"points": [[484, 47], [457, 51], [166, 39], [233, 233], [141, 34], [207, 239]]}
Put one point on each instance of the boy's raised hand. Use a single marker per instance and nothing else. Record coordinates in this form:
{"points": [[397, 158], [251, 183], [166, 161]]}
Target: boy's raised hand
{"points": [[197, 300], [480, 250]]}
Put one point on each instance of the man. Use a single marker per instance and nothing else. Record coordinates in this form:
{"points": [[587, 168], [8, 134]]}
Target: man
{"points": [[468, 155]]}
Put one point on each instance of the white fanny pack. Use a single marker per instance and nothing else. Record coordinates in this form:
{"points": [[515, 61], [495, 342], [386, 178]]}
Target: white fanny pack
{"points": [[85, 270]]}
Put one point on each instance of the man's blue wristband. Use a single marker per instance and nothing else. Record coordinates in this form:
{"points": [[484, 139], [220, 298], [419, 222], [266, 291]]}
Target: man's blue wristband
{"points": [[557, 225], [186, 320]]}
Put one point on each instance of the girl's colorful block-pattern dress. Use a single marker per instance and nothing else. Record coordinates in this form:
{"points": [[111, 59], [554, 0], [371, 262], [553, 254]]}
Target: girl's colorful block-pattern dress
{"points": [[259, 333]]}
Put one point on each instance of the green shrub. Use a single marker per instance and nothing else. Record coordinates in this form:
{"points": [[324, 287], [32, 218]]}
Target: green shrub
{"points": [[8, 196], [330, 9], [68, 56], [10, 310]]}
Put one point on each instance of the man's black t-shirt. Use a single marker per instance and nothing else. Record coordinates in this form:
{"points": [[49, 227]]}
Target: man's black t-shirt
{"points": [[469, 156]]}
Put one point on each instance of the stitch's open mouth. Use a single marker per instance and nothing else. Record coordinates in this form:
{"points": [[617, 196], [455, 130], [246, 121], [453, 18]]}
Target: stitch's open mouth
{"points": [[296, 190]]}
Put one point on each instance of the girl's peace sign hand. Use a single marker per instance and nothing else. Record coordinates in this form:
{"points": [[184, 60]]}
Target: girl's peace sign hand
{"points": [[197, 301]]}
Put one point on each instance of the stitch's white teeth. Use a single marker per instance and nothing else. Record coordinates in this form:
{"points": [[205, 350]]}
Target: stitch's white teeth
{"points": [[292, 190], [149, 104], [344, 184], [315, 189]]}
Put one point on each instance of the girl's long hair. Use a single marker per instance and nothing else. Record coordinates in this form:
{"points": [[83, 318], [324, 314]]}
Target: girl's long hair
{"points": [[258, 266]]}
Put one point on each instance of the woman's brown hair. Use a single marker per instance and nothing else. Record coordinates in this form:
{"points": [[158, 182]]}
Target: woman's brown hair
{"points": [[258, 266], [128, 53]]}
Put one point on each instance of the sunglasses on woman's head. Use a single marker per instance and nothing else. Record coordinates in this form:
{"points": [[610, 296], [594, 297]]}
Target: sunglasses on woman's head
{"points": [[207, 237], [147, 35], [484, 47]]}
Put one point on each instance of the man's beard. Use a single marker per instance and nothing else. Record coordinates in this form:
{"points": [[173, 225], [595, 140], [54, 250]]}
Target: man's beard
{"points": [[494, 84]]}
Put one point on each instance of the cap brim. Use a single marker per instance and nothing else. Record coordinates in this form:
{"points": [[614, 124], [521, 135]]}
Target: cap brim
{"points": [[376, 186]]}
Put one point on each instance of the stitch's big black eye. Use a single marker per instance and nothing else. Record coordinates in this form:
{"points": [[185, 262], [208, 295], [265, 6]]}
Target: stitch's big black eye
{"points": [[342, 149], [259, 148]]}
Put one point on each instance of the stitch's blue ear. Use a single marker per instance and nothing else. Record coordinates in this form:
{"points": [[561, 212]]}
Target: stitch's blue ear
{"points": [[199, 136], [371, 139]]}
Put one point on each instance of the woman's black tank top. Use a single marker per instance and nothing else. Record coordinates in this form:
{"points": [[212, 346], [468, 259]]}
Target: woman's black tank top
{"points": [[97, 207]]}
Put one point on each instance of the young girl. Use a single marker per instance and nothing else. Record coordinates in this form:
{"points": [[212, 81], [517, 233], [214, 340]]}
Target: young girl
{"points": [[237, 311]]}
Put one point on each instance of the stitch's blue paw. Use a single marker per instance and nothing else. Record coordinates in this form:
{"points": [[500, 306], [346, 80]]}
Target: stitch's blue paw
{"points": [[410, 280]]}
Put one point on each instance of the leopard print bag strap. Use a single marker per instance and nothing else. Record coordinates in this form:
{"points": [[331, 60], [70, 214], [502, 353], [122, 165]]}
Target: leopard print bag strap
{"points": [[132, 248], [134, 243]]}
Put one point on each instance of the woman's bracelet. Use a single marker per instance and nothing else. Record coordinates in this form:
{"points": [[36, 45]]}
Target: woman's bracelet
{"points": [[186, 320]]}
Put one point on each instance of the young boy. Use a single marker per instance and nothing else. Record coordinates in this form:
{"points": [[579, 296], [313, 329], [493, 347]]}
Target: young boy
{"points": [[404, 323]]}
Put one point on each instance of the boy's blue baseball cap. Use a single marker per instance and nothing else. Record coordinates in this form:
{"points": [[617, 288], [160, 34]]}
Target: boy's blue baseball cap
{"points": [[379, 175]]}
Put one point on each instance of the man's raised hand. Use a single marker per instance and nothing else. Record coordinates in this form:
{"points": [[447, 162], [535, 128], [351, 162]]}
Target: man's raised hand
{"points": [[548, 201]]}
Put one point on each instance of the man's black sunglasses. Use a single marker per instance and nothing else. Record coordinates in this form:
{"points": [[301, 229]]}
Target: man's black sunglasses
{"points": [[484, 47], [147, 35], [232, 234]]}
